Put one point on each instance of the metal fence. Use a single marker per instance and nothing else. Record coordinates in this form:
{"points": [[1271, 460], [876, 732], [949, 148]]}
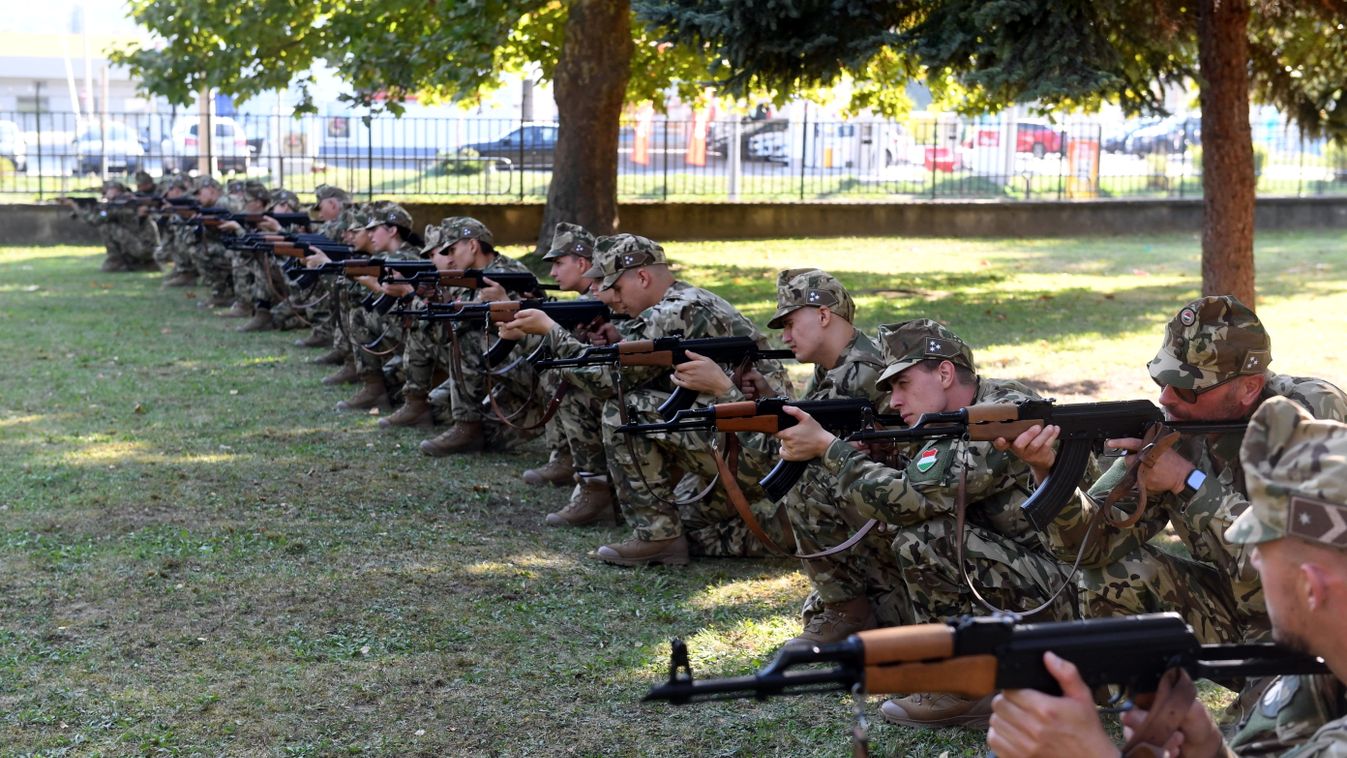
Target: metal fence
{"points": [[43, 155]]}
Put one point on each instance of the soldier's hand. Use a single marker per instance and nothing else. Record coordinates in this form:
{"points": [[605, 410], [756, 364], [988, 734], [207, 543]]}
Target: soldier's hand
{"points": [[1169, 473], [370, 283], [143, 211], [1034, 446], [606, 334], [754, 385], [232, 227], [701, 374], [1028, 723], [806, 440], [491, 293], [1198, 735], [506, 333], [316, 259], [530, 321], [269, 224], [397, 290]]}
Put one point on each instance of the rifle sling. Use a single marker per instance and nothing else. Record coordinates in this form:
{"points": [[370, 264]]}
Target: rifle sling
{"points": [[623, 416], [726, 466], [1172, 699], [843, 546], [548, 413], [1159, 438]]}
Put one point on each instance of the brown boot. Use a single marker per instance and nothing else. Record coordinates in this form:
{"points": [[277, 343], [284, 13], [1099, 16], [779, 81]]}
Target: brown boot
{"points": [[415, 411], [933, 710], [372, 394], [334, 357], [216, 301], [237, 310], [462, 437], [181, 280], [113, 265], [344, 375], [260, 322], [591, 503], [639, 552], [314, 340], [557, 472], [836, 622]]}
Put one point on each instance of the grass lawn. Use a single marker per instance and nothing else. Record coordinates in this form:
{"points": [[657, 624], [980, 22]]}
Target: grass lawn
{"points": [[198, 556]]}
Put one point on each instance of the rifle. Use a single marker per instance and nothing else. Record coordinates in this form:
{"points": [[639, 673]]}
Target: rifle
{"points": [[670, 351], [342, 255], [976, 656], [520, 282], [569, 314], [1084, 427], [840, 416]]}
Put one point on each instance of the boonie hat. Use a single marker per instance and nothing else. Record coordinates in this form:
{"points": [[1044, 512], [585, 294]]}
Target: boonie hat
{"points": [[1295, 468], [908, 343], [809, 287], [1209, 341]]}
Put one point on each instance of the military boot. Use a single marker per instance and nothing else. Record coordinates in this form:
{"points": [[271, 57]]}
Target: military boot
{"points": [[836, 622], [216, 301], [236, 310], [260, 322], [182, 279], [557, 472], [113, 265], [344, 375], [639, 552], [334, 357], [415, 411], [591, 503], [935, 710], [462, 437], [372, 394], [314, 340]]}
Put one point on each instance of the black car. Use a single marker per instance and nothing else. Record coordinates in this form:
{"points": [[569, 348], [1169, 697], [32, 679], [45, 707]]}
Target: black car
{"points": [[526, 147]]}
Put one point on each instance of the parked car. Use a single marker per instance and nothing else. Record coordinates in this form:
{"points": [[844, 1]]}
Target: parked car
{"points": [[1172, 135], [120, 145], [1036, 137], [719, 142], [1114, 137], [529, 146], [13, 147], [229, 144]]}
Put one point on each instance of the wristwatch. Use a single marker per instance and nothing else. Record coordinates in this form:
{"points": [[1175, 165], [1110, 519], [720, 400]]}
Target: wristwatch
{"points": [[1192, 484]]}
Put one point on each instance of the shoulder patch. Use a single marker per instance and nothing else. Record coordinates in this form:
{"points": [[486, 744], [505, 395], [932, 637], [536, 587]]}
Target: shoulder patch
{"points": [[927, 459], [1278, 695]]}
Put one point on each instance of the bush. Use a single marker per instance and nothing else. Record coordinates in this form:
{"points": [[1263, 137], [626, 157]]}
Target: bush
{"points": [[463, 163]]}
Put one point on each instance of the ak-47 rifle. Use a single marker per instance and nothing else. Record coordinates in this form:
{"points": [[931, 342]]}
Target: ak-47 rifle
{"points": [[354, 268], [518, 282], [251, 219], [1085, 427], [841, 416], [568, 313], [976, 656], [670, 351]]}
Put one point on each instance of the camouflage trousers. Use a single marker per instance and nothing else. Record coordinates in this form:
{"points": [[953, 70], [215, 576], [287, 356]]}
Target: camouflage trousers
{"points": [[1151, 580], [576, 428], [269, 289], [373, 338], [125, 245], [242, 276], [640, 463], [867, 569], [212, 263], [427, 347], [473, 386], [1009, 575]]}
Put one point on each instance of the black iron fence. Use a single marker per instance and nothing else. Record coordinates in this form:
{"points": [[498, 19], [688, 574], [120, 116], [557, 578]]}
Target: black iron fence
{"points": [[43, 155]]}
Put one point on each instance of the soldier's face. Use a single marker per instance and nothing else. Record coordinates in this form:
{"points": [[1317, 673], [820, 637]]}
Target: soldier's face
{"points": [[463, 254], [568, 271], [329, 208], [917, 391], [382, 237], [1278, 569], [1221, 403], [802, 331], [208, 196], [360, 240]]}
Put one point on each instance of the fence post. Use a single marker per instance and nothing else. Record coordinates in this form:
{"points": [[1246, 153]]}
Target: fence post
{"points": [[736, 157], [804, 148], [369, 152], [38, 104], [521, 157], [666, 158]]}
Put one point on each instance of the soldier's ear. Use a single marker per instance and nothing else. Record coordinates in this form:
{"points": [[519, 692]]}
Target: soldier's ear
{"points": [[825, 316]]}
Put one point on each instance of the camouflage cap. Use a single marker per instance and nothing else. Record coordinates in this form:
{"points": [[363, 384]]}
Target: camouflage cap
{"points": [[324, 191], [1211, 340], [235, 186], [389, 214], [570, 239], [465, 228], [174, 181], [284, 196], [257, 192], [620, 252], [1295, 467], [114, 184], [434, 236], [205, 181], [908, 343], [143, 177], [809, 287], [360, 217]]}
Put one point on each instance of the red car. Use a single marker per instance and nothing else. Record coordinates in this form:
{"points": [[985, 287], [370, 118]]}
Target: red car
{"points": [[1030, 137]]}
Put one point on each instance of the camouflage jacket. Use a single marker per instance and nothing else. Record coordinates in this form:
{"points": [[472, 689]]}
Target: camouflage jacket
{"points": [[857, 368], [1289, 712], [997, 483], [473, 330], [1200, 522], [1329, 742], [695, 312]]}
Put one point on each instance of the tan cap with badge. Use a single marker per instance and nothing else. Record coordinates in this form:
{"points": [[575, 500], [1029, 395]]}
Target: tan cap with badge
{"points": [[1210, 341], [809, 287], [1295, 467], [908, 343], [466, 228], [570, 239], [391, 214], [621, 252]]}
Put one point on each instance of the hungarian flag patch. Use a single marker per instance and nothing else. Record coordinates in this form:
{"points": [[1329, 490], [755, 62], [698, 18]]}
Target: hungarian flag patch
{"points": [[927, 459]]}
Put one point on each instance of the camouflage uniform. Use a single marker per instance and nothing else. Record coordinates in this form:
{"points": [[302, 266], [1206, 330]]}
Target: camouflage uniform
{"points": [[251, 286], [210, 255], [513, 390], [427, 344], [1210, 341], [272, 289], [120, 226], [176, 236], [374, 335], [1297, 488], [711, 525], [321, 304], [1001, 550]]}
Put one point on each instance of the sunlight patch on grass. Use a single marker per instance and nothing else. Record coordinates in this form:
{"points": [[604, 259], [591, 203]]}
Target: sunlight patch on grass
{"points": [[130, 451], [762, 590]]}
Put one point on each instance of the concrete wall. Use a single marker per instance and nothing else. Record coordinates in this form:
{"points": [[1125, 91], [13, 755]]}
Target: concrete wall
{"points": [[519, 224]]}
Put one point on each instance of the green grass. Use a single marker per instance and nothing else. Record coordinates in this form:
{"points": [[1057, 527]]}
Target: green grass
{"points": [[200, 557]]}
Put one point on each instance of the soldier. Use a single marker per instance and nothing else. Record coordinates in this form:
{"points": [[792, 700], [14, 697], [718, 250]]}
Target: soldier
{"points": [[346, 295], [242, 265], [930, 369], [333, 217], [425, 346], [210, 255], [177, 238], [475, 426], [857, 588], [270, 293], [119, 224], [1294, 526], [142, 227], [1212, 366], [635, 272]]}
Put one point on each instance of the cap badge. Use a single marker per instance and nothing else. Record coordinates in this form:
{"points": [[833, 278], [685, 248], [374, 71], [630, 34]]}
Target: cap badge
{"points": [[1187, 317]]}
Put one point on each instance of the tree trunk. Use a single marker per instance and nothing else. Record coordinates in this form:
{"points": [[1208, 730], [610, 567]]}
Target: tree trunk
{"points": [[1228, 179], [590, 85]]}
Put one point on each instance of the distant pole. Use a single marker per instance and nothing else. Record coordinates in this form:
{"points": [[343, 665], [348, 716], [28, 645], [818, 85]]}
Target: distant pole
{"points": [[203, 135], [804, 148], [736, 158], [37, 102], [369, 152]]}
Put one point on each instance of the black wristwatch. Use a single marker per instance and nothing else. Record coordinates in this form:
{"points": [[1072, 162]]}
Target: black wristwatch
{"points": [[1192, 484]]}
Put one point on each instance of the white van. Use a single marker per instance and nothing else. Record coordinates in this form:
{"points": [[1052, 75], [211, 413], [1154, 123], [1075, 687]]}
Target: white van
{"points": [[229, 144]]}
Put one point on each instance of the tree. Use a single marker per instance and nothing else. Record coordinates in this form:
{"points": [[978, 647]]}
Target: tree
{"points": [[1059, 54], [389, 50]]}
